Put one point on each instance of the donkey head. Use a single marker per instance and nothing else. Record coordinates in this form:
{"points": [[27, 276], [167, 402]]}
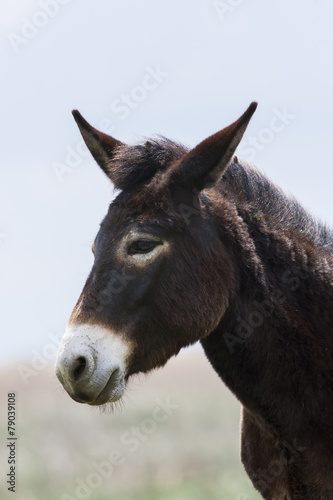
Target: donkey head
{"points": [[161, 272]]}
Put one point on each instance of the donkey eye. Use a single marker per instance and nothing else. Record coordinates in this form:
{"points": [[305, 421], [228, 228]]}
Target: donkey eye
{"points": [[143, 246]]}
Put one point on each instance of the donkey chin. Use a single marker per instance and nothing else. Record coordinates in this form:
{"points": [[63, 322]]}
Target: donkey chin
{"points": [[91, 364]]}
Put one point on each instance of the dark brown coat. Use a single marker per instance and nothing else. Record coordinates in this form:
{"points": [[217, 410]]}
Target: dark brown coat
{"points": [[246, 271]]}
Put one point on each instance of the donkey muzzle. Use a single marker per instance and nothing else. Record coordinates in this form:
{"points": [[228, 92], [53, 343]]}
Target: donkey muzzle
{"points": [[91, 364]]}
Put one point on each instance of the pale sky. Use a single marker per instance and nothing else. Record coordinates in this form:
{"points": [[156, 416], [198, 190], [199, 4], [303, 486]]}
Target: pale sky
{"points": [[138, 68]]}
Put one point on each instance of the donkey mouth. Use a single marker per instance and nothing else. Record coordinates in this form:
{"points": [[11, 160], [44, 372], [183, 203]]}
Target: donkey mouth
{"points": [[112, 391]]}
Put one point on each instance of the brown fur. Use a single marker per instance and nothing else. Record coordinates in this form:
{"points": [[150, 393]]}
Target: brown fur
{"points": [[249, 274]]}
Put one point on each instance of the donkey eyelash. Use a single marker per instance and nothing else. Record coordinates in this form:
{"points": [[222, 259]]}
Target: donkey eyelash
{"points": [[142, 246]]}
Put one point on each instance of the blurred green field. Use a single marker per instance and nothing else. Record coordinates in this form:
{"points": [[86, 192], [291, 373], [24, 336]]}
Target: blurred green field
{"points": [[175, 437]]}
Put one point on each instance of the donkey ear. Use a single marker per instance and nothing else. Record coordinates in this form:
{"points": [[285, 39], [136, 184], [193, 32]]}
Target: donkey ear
{"points": [[100, 145], [204, 165]]}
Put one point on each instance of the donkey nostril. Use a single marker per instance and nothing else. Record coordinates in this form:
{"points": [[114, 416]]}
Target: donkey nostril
{"points": [[79, 368]]}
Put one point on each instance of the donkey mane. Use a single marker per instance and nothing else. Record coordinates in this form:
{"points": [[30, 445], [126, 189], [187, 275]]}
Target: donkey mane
{"points": [[133, 166], [260, 191]]}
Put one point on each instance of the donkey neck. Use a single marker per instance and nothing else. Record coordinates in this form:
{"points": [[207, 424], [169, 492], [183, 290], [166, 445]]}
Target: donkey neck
{"points": [[272, 345]]}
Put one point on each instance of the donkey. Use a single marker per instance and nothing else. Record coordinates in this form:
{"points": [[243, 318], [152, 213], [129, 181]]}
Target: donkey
{"points": [[200, 246]]}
